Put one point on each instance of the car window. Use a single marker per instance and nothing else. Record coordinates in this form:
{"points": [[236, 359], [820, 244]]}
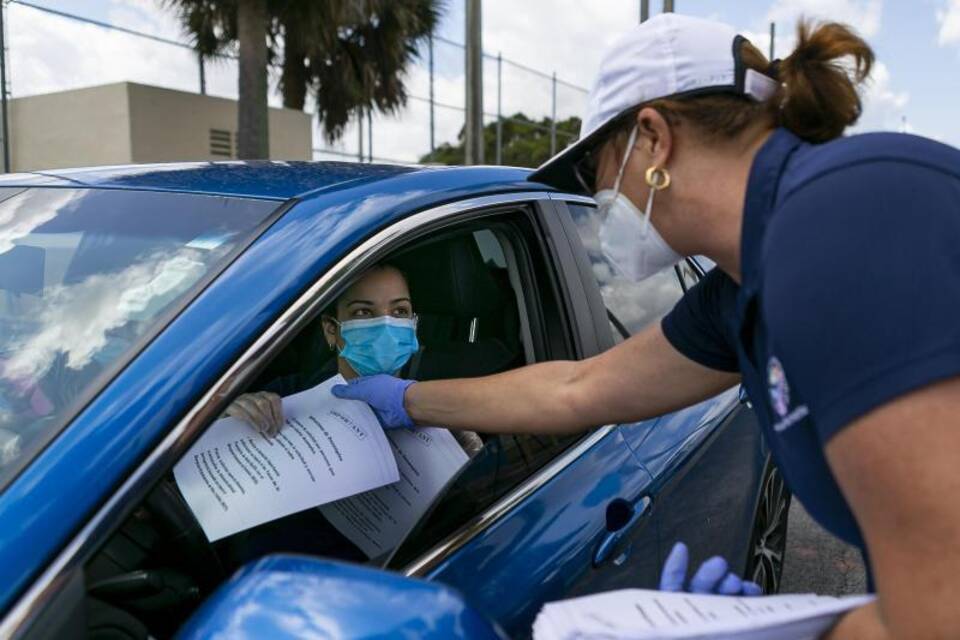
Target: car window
{"points": [[631, 306], [85, 275], [490, 249]]}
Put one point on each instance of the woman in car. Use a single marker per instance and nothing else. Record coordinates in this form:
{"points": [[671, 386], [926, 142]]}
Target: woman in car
{"points": [[372, 329]]}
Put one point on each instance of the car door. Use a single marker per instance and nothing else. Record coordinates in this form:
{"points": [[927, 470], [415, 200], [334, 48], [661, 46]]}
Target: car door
{"points": [[575, 520], [706, 460]]}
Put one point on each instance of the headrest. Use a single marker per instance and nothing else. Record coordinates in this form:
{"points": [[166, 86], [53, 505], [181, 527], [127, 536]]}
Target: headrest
{"points": [[448, 277]]}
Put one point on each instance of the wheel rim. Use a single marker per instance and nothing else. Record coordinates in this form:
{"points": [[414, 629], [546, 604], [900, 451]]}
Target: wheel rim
{"points": [[770, 537]]}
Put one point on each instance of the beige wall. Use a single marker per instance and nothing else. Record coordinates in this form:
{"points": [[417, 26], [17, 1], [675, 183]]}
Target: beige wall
{"points": [[133, 123], [74, 128], [168, 125]]}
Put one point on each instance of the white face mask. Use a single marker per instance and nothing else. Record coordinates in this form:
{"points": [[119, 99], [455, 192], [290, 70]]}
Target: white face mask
{"points": [[628, 238]]}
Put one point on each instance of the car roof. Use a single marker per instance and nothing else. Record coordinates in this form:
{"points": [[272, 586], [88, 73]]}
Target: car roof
{"points": [[268, 179]]}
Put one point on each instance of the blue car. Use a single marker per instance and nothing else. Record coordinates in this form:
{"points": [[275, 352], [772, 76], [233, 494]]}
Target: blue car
{"points": [[137, 302]]}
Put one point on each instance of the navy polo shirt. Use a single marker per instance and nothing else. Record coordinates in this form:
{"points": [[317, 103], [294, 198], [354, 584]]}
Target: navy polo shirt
{"points": [[849, 295]]}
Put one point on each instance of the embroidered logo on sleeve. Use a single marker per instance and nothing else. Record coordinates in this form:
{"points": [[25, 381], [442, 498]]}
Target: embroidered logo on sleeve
{"points": [[780, 397], [779, 389]]}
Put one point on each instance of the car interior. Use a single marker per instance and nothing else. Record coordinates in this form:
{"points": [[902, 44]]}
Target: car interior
{"points": [[475, 317]]}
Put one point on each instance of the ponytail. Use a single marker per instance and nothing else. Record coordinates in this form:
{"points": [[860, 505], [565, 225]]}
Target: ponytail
{"points": [[818, 97]]}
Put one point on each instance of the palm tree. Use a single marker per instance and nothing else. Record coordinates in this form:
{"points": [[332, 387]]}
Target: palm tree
{"points": [[253, 139], [350, 54]]}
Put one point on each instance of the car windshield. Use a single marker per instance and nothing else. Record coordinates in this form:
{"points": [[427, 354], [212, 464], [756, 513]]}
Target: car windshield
{"points": [[86, 277]]}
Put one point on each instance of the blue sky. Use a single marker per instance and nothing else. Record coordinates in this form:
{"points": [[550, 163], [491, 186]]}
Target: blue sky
{"points": [[917, 44]]}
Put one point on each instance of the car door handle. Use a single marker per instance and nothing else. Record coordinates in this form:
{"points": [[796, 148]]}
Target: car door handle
{"points": [[624, 516]]}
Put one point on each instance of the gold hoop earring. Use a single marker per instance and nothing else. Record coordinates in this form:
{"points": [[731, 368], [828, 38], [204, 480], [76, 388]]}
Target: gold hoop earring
{"points": [[657, 178]]}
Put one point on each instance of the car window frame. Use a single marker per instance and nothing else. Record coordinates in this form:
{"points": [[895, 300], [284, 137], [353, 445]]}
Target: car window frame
{"points": [[246, 366], [580, 266]]}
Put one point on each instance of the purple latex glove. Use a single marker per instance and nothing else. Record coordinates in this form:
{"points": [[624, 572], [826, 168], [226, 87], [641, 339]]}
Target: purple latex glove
{"points": [[384, 394], [713, 576]]}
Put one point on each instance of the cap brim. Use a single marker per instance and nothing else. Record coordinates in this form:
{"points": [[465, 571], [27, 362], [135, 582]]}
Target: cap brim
{"points": [[558, 171]]}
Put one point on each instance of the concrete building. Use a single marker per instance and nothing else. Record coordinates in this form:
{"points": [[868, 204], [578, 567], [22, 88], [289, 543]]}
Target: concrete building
{"points": [[126, 123]]}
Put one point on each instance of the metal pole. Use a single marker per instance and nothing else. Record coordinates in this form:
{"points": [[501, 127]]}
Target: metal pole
{"points": [[668, 6], [644, 10], [553, 117], [370, 135], [360, 134], [3, 90], [432, 143], [474, 89], [203, 75], [773, 35], [499, 109]]}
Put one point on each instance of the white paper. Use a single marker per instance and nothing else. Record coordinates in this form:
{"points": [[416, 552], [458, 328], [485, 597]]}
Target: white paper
{"points": [[377, 520], [641, 614], [233, 478]]}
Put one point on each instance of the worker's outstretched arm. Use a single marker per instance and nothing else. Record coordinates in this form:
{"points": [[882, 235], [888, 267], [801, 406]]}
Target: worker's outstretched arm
{"points": [[639, 378]]}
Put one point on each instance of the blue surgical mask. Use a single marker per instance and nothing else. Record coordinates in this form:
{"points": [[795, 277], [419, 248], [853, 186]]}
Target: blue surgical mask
{"points": [[378, 345]]}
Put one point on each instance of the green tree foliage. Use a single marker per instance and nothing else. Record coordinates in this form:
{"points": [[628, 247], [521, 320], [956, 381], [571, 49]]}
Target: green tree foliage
{"points": [[350, 55], [525, 142]]}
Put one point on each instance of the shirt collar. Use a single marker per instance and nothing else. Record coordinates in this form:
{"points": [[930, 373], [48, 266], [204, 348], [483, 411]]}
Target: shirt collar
{"points": [[768, 167]]}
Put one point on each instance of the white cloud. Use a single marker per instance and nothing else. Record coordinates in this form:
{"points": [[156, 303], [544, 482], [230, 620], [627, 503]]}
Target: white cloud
{"points": [[105, 301], [863, 15], [883, 106], [50, 53], [23, 216], [949, 20]]}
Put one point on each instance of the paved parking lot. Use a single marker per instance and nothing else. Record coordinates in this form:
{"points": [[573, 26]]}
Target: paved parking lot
{"points": [[817, 562]]}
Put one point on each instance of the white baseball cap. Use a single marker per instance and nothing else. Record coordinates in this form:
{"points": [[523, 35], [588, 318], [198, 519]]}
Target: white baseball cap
{"points": [[669, 56]]}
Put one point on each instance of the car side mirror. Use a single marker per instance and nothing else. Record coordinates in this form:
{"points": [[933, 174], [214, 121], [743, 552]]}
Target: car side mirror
{"points": [[286, 596]]}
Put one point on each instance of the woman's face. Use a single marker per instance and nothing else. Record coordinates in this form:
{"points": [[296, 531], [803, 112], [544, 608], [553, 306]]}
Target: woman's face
{"points": [[379, 292]]}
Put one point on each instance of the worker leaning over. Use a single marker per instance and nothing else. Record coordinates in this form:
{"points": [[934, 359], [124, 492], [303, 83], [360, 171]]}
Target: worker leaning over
{"points": [[836, 297]]}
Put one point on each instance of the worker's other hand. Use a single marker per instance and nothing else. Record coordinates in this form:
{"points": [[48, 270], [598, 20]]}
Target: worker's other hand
{"points": [[384, 394], [713, 576], [261, 410]]}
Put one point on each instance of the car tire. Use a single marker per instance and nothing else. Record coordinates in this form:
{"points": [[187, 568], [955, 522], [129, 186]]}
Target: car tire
{"points": [[768, 543]]}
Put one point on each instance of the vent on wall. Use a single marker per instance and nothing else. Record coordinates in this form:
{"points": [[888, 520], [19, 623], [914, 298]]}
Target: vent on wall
{"points": [[221, 143]]}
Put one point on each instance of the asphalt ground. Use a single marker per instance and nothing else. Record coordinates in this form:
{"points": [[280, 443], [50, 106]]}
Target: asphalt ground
{"points": [[816, 562]]}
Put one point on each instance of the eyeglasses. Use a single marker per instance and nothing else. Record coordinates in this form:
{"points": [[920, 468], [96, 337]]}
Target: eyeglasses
{"points": [[585, 171]]}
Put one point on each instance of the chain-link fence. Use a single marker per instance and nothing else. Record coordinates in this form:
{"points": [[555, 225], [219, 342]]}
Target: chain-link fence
{"points": [[527, 111]]}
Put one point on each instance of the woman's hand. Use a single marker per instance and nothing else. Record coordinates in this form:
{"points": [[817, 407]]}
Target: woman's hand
{"points": [[261, 410], [385, 396]]}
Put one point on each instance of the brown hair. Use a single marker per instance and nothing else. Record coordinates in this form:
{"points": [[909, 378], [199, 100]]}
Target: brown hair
{"points": [[331, 309], [817, 98]]}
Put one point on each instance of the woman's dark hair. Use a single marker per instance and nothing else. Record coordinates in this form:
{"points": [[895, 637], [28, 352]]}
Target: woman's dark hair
{"points": [[818, 94], [331, 310]]}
